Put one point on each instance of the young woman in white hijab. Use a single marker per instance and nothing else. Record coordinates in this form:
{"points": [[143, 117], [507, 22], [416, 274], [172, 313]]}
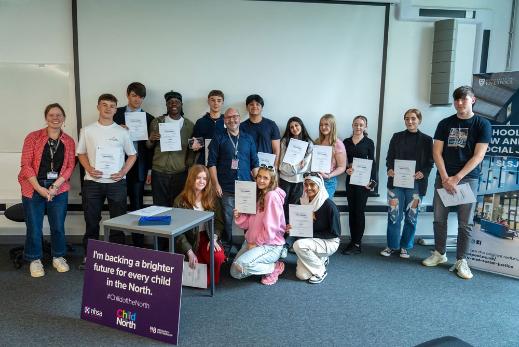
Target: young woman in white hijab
{"points": [[313, 253]]}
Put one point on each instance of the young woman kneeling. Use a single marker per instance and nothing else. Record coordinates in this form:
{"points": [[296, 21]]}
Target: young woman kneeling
{"points": [[264, 232]]}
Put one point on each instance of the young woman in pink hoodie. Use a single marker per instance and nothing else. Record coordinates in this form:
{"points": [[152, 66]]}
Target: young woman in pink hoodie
{"points": [[264, 232]]}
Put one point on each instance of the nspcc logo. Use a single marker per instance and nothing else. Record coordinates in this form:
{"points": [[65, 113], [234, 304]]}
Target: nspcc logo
{"points": [[126, 318]]}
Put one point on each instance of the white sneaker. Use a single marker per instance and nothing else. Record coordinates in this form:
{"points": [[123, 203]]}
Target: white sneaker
{"points": [[404, 253], [462, 269], [36, 268], [386, 252], [435, 259], [60, 264]]}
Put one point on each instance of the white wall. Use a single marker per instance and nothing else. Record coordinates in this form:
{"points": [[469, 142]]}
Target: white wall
{"points": [[407, 80]]}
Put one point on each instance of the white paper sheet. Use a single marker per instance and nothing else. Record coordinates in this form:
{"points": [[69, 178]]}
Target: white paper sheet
{"points": [[361, 172], [301, 220], [463, 195], [266, 159], [150, 211], [295, 152], [136, 123], [170, 137], [321, 159], [404, 173], [196, 277], [245, 196], [108, 160]]}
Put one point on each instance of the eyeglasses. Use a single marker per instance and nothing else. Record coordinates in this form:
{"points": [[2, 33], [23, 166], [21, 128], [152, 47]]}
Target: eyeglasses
{"points": [[315, 174], [235, 116], [269, 167]]}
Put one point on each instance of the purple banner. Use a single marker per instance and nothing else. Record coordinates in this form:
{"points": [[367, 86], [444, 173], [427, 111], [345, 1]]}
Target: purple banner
{"points": [[133, 289]]}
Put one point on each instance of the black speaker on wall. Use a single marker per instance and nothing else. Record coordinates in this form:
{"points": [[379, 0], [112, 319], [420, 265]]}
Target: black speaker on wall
{"points": [[444, 54]]}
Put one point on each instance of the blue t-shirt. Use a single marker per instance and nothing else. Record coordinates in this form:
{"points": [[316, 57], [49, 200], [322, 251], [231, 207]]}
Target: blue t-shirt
{"points": [[262, 133], [221, 154], [460, 137], [207, 128]]}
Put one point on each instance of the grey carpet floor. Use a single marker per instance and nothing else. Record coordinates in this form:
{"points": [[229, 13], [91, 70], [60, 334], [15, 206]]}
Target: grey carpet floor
{"points": [[366, 300]]}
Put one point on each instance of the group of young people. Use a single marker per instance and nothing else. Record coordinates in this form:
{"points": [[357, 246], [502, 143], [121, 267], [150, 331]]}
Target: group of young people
{"points": [[187, 179]]}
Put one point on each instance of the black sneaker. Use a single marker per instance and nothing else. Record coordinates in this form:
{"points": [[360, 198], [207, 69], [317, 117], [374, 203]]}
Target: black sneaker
{"points": [[83, 264], [352, 249], [317, 279]]}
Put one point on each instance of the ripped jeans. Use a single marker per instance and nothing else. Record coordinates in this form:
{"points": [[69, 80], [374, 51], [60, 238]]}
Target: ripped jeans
{"points": [[403, 204]]}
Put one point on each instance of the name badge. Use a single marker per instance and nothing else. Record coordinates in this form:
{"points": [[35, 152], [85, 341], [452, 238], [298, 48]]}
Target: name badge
{"points": [[52, 175], [234, 164]]}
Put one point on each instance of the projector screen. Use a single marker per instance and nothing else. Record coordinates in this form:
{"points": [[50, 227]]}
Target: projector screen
{"points": [[304, 59]]}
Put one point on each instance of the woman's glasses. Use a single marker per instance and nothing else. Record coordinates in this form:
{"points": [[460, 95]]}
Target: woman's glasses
{"points": [[269, 167], [307, 174]]}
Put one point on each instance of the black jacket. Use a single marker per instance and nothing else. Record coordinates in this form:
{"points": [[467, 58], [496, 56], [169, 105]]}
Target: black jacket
{"points": [[423, 157], [139, 170]]}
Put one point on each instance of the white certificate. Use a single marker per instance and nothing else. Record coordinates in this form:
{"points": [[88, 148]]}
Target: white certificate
{"points": [[321, 159], [404, 173], [207, 143], [150, 211], [170, 137], [196, 277], [245, 196], [266, 159], [301, 219], [295, 152], [361, 171], [463, 195], [108, 160], [136, 123]]}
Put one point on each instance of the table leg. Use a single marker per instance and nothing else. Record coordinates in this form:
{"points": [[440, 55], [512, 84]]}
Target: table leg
{"points": [[171, 244], [156, 243], [106, 231], [211, 256]]}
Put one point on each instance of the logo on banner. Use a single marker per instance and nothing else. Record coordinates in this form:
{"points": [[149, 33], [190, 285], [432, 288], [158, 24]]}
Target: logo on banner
{"points": [[126, 318], [92, 311], [481, 82]]}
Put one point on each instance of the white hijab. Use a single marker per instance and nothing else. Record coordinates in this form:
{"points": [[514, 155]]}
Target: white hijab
{"points": [[319, 198]]}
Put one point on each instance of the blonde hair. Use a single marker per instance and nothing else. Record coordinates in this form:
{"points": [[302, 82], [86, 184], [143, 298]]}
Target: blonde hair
{"points": [[333, 130], [261, 193]]}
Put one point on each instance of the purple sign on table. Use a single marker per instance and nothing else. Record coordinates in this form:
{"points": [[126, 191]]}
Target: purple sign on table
{"points": [[133, 289]]}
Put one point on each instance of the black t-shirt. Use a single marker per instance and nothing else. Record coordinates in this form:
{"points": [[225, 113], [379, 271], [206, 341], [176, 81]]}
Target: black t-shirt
{"points": [[460, 137], [45, 166], [327, 224]]}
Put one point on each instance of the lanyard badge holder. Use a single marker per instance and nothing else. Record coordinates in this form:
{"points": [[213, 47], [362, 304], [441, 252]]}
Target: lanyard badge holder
{"points": [[234, 160], [53, 148]]}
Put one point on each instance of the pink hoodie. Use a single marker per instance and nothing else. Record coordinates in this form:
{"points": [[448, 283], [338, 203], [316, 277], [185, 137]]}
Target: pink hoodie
{"points": [[266, 227]]}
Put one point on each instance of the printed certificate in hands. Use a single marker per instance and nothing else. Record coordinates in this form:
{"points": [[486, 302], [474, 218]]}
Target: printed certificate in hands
{"points": [[245, 196], [170, 137], [404, 173], [322, 159], [196, 277], [108, 160], [295, 152], [361, 172], [463, 195], [266, 159], [136, 123], [300, 218]]}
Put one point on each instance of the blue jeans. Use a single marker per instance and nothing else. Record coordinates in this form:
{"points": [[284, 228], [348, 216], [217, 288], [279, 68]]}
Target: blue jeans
{"points": [[227, 209], [34, 209], [403, 204], [331, 186], [259, 260]]}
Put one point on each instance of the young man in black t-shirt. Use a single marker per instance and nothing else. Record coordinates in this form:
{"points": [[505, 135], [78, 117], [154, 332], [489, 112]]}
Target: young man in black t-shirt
{"points": [[460, 144]]}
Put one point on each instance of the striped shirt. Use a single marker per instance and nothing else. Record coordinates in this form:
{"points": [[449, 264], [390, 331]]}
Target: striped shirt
{"points": [[32, 151]]}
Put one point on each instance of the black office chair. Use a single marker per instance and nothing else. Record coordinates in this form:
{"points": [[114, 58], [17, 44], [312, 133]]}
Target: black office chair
{"points": [[17, 214]]}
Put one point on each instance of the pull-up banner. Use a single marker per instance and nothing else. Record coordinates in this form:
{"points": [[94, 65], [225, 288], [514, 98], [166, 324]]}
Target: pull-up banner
{"points": [[494, 244], [133, 289]]}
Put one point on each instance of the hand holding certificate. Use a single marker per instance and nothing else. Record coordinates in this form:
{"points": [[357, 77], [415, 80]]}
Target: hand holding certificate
{"points": [[300, 217], [245, 196], [170, 137], [322, 159], [136, 123], [361, 171], [463, 195], [108, 160], [196, 277], [295, 152], [404, 173]]}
